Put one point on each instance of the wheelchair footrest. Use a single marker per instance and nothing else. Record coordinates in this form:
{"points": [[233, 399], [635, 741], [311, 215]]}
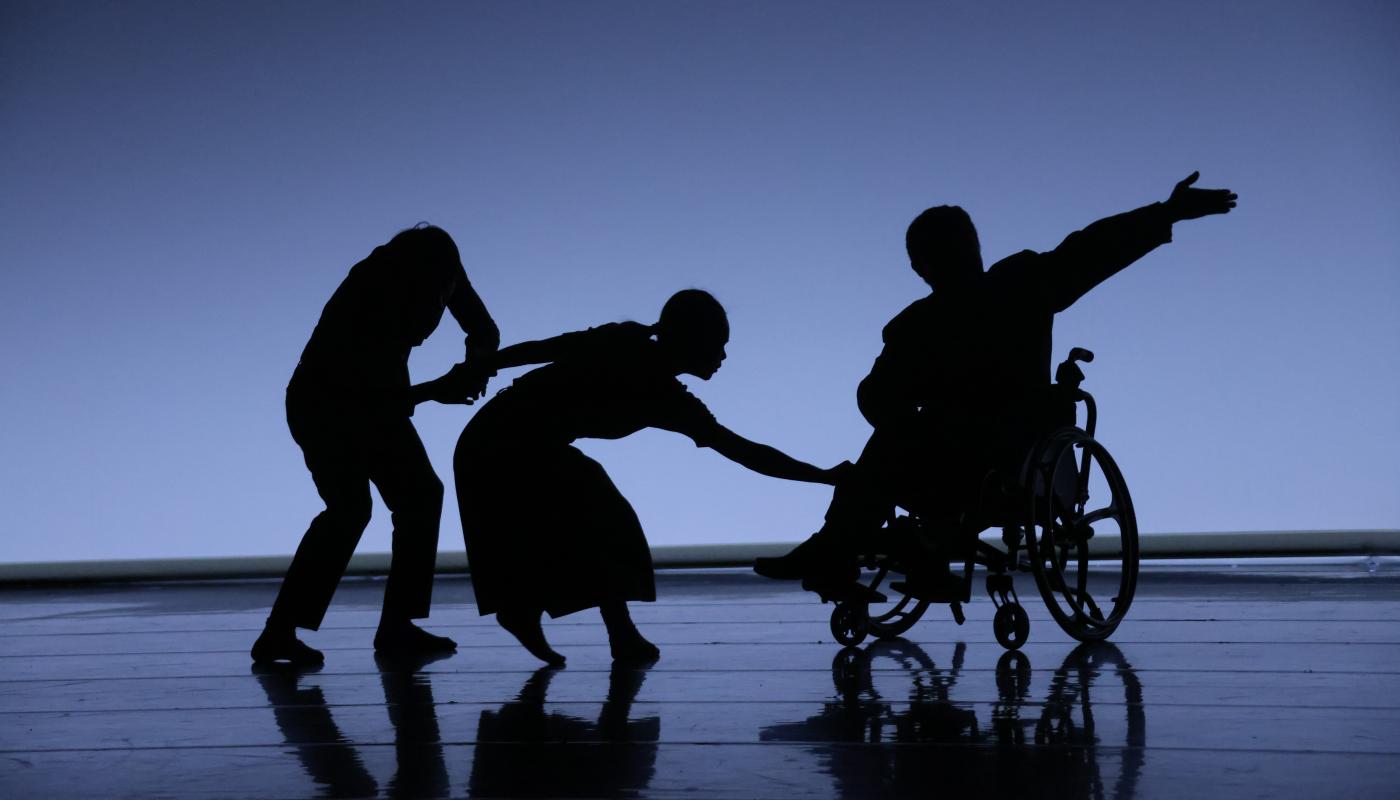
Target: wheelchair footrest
{"points": [[842, 591], [934, 594]]}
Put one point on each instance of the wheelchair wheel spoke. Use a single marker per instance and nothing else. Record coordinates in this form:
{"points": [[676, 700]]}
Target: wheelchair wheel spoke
{"points": [[1085, 472], [1071, 593], [1080, 499], [1099, 514], [879, 576], [1094, 612]]}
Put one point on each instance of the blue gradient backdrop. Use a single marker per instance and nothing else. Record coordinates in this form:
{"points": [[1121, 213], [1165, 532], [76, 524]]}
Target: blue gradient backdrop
{"points": [[182, 185]]}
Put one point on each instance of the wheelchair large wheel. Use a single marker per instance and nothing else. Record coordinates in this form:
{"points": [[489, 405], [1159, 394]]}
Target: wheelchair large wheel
{"points": [[891, 620], [1095, 671], [1082, 519]]}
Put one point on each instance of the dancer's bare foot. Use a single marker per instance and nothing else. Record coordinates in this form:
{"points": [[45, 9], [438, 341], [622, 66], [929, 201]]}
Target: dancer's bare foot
{"points": [[282, 645], [403, 639], [627, 643], [525, 626]]}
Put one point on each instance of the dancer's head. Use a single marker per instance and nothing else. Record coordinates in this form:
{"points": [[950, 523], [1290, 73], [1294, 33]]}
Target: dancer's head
{"points": [[429, 252], [426, 265], [693, 330], [943, 246]]}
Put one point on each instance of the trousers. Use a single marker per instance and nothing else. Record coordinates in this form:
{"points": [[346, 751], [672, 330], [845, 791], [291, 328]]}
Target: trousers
{"points": [[347, 448]]}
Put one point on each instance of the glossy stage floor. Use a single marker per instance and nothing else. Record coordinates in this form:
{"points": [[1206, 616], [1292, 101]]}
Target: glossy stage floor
{"points": [[1254, 680]]}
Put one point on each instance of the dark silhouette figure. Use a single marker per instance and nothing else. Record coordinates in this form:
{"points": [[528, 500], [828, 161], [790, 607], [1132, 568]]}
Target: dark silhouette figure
{"points": [[348, 407], [546, 530], [522, 750], [420, 768], [962, 386], [306, 723]]}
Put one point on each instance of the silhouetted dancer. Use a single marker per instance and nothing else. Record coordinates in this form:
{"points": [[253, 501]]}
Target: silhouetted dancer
{"points": [[962, 386], [348, 407], [546, 530], [524, 750]]}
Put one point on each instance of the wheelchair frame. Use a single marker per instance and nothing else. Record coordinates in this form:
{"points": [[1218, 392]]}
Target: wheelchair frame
{"points": [[1052, 541]]}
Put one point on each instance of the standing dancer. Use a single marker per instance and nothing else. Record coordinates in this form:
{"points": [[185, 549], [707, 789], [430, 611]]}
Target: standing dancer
{"points": [[348, 407]]}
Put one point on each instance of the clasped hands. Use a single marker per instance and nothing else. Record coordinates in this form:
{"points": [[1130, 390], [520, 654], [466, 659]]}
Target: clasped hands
{"points": [[463, 384]]}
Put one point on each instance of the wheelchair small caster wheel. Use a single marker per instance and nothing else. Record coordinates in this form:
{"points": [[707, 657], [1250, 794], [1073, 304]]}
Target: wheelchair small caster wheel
{"points": [[1013, 675], [850, 671], [850, 623], [1011, 625]]}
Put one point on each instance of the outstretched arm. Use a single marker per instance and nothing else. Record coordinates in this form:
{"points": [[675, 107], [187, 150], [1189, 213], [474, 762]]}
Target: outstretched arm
{"points": [[1091, 256], [770, 461], [542, 351], [467, 381]]}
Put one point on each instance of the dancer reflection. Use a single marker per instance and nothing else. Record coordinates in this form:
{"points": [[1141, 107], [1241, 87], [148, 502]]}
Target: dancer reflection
{"points": [[524, 751], [420, 767], [305, 722], [348, 407], [546, 530]]}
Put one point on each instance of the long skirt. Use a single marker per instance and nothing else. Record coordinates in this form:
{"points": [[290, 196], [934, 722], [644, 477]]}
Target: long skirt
{"points": [[545, 528]]}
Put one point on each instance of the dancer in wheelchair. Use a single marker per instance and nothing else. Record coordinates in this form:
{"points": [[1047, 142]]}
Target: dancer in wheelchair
{"points": [[546, 530], [961, 390]]}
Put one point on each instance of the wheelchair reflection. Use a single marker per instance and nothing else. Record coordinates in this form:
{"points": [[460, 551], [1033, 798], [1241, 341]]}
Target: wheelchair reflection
{"points": [[1056, 746]]}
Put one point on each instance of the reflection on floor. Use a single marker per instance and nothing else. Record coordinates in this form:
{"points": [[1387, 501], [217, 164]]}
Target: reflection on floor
{"points": [[1255, 680]]}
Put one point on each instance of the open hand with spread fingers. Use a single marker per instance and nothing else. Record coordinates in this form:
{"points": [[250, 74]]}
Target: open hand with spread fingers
{"points": [[1190, 203]]}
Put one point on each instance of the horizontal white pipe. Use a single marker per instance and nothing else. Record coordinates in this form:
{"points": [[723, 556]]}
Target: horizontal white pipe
{"points": [[1235, 544]]}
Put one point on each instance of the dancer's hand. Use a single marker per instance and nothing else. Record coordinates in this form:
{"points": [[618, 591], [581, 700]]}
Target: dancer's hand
{"points": [[1188, 203], [464, 383]]}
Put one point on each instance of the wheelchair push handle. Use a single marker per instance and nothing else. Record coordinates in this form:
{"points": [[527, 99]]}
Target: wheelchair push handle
{"points": [[1068, 373]]}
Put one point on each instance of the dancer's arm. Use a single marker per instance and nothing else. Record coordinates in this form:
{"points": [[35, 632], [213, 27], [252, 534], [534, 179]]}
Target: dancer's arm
{"points": [[769, 461], [676, 409], [543, 351], [466, 381], [465, 305], [1091, 256], [563, 345]]}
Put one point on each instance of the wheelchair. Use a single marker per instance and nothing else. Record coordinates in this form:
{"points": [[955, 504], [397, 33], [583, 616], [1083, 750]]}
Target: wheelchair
{"points": [[1068, 520]]}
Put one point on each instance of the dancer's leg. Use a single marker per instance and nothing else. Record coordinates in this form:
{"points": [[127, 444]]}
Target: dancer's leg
{"points": [[627, 643], [324, 552], [400, 468]]}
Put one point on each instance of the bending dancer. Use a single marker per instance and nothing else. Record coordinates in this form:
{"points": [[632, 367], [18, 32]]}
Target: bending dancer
{"points": [[962, 383], [348, 407], [546, 530]]}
